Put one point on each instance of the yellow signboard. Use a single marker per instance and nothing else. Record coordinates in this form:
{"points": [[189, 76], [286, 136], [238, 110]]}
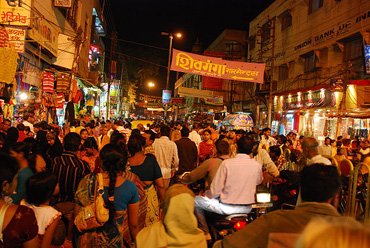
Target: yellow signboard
{"points": [[15, 12], [44, 33]]}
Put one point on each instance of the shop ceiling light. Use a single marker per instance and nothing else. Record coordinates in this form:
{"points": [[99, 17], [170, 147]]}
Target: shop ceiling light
{"points": [[23, 96]]}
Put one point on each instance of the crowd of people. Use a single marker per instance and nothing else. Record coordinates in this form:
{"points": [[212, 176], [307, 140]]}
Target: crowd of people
{"points": [[46, 170]]}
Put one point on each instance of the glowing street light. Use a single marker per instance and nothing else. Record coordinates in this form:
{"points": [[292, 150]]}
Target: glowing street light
{"points": [[151, 84]]}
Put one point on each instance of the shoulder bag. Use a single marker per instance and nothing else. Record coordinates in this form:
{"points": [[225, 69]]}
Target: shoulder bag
{"points": [[94, 214]]}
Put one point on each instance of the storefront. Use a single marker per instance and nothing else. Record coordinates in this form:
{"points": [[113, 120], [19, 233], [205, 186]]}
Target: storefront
{"points": [[306, 112], [316, 113]]}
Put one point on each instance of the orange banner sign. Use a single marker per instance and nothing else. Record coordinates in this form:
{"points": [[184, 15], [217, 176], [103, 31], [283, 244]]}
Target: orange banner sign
{"points": [[216, 67]]}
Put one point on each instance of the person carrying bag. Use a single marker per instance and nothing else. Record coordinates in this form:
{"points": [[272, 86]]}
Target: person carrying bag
{"points": [[93, 213]]}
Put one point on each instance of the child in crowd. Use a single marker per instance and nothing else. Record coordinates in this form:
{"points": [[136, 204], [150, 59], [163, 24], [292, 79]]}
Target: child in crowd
{"points": [[39, 189]]}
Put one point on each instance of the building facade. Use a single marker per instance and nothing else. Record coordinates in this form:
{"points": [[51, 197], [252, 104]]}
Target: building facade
{"points": [[314, 55], [60, 45]]}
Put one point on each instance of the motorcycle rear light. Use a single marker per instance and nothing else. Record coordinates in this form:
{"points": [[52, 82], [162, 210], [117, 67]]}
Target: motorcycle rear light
{"points": [[239, 225], [293, 192]]}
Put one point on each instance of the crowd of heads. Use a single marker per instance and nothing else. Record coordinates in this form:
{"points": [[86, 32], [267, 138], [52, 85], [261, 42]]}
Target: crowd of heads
{"points": [[319, 183]]}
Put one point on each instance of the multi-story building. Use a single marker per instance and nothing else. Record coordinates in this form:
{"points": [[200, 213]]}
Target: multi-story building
{"points": [[62, 38], [313, 50]]}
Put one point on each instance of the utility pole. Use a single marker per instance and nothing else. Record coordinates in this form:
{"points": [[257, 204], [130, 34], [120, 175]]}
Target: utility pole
{"points": [[112, 48], [272, 71], [78, 46], [264, 48]]}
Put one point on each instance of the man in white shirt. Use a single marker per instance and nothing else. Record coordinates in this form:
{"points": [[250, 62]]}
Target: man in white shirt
{"points": [[310, 150], [28, 122], [326, 149], [266, 139], [234, 186], [194, 135], [167, 156]]}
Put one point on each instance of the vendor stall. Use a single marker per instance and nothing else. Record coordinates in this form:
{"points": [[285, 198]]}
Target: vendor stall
{"points": [[238, 121]]}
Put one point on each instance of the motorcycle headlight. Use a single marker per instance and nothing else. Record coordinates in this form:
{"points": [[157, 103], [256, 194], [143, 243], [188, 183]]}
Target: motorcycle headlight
{"points": [[263, 197]]}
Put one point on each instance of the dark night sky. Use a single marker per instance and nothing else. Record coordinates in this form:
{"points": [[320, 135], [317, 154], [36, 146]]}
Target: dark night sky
{"points": [[142, 21]]}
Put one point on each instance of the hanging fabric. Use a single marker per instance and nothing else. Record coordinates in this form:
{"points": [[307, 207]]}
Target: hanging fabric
{"points": [[48, 82], [63, 83], [61, 100], [4, 37], [8, 64]]}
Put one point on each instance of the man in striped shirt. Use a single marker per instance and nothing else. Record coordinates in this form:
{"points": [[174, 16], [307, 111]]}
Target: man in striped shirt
{"points": [[69, 170]]}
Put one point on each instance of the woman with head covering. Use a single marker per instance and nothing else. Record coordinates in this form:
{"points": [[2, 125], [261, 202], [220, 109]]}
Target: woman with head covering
{"points": [[179, 227]]}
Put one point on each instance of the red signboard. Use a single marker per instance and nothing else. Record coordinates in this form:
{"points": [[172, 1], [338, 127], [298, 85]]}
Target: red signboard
{"points": [[211, 83], [216, 67]]}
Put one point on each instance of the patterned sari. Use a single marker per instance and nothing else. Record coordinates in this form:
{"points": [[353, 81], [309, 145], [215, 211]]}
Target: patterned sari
{"points": [[116, 232], [152, 214]]}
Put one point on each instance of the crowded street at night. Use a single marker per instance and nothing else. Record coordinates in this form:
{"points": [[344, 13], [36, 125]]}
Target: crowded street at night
{"points": [[187, 124]]}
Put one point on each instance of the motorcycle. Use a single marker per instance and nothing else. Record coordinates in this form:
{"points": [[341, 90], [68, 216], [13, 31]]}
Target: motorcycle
{"points": [[223, 225], [284, 190]]}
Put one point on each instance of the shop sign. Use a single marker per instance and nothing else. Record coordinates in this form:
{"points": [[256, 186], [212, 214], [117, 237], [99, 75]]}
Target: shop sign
{"points": [[182, 91], [166, 96], [114, 88], [217, 67], [178, 100], [31, 72], [16, 13], [63, 3], [17, 36], [336, 85], [94, 59], [44, 33], [322, 98], [146, 101], [218, 100]]}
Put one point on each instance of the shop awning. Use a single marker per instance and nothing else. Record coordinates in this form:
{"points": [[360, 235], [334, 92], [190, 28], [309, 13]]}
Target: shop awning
{"points": [[87, 84], [359, 113], [360, 82]]}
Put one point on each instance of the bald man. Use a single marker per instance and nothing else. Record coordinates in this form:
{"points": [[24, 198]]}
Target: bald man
{"points": [[310, 148]]}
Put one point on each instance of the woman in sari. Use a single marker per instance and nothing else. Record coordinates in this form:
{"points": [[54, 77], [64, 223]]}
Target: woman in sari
{"points": [[120, 195], [179, 227], [147, 169], [206, 148]]}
